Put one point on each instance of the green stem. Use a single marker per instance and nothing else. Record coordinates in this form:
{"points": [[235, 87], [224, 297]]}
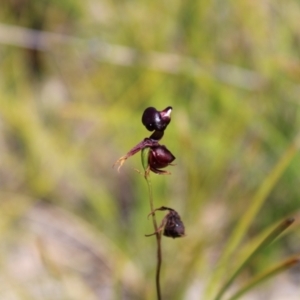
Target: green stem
{"points": [[158, 237]]}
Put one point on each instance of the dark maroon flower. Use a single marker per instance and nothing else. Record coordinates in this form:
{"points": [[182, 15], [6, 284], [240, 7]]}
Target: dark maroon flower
{"points": [[156, 120], [159, 157], [171, 224]]}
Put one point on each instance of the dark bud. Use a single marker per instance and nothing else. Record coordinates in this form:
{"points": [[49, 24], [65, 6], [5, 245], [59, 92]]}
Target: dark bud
{"points": [[159, 157], [174, 227], [156, 120], [171, 225]]}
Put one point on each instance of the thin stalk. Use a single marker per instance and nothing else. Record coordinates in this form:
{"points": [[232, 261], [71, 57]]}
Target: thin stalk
{"points": [[270, 238], [158, 237]]}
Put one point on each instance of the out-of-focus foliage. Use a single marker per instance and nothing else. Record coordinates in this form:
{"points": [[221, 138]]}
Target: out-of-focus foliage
{"points": [[71, 227]]}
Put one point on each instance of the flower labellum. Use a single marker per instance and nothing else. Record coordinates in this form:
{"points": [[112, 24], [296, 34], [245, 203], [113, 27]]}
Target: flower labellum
{"points": [[156, 120]]}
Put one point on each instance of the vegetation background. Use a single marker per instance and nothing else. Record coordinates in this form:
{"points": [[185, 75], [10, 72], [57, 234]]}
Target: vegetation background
{"points": [[75, 79]]}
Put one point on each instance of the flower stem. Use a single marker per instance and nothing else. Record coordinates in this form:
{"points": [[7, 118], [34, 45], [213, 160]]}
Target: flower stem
{"points": [[158, 237]]}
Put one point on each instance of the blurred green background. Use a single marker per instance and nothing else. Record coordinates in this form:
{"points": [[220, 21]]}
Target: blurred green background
{"points": [[76, 77]]}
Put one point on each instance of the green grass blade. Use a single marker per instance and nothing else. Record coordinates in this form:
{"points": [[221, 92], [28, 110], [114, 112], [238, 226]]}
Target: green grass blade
{"points": [[249, 215], [288, 263], [271, 237]]}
